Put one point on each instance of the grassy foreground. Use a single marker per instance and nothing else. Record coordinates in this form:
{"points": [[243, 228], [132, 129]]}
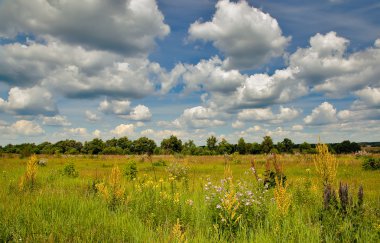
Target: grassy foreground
{"points": [[184, 199]]}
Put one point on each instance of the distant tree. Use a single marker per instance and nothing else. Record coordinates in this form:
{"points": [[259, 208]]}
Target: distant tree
{"points": [[68, 147], [255, 148], [189, 148], [225, 147], [111, 142], [125, 144], [305, 147], [267, 144], [143, 145], [94, 146], [241, 146], [211, 143], [286, 146], [171, 145]]}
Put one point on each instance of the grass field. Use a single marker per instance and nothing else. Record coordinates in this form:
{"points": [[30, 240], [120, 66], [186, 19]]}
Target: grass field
{"points": [[183, 199]]}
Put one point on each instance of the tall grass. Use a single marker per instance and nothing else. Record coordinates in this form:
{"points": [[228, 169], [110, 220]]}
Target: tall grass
{"points": [[159, 206]]}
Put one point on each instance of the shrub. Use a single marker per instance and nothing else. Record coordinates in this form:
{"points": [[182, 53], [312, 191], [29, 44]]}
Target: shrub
{"points": [[370, 163], [160, 162], [70, 171], [131, 170]]}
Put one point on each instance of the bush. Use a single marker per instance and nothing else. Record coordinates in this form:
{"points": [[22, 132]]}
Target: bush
{"points": [[70, 171], [131, 170], [370, 163], [161, 162]]}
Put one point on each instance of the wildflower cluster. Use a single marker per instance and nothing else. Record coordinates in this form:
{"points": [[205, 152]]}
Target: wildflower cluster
{"points": [[28, 180], [282, 197], [236, 204], [113, 190], [326, 165]]}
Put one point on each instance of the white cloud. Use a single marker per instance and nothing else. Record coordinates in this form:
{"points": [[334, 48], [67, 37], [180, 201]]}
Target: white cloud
{"points": [[127, 26], [57, 120], [29, 101], [209, 75], [297, 127], [198, 117], [91, 116], [370, 96], [324, 114], [22, 128], [140, 113], [97, 133], [238, 124], [79, 131], [247, 36], [118, 107], [266, 114], [124, 130]]}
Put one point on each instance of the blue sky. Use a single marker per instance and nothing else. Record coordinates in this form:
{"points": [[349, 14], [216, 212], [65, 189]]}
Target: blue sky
{"points": [[297, 69]]}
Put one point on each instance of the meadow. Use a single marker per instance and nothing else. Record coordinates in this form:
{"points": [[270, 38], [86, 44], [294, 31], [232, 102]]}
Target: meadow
{"points": [[176, 198]]}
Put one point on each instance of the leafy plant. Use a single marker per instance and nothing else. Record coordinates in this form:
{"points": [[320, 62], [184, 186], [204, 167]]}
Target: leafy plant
{"points": [[112, 190], [371, 163], [28, 180], [70, 171], [326, 164], [131, 170]]}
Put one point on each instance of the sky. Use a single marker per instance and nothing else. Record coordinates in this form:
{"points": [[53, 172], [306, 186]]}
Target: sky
{"points": [[101, 69]]}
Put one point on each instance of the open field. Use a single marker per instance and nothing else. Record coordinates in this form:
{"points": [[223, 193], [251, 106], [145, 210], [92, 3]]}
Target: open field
{"points": [[99, 204]]}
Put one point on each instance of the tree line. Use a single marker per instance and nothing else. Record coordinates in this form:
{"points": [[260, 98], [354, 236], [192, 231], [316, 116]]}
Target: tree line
{"points": [[172, 145]]}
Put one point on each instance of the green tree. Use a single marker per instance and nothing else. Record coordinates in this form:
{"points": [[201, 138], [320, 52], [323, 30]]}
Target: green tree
{"points": [[95, 146], [241, 146], [189, 148], [143, 145], [225, 147], [211, 143], [305, 147], [286, 146], [171, 145], [267, 144]]}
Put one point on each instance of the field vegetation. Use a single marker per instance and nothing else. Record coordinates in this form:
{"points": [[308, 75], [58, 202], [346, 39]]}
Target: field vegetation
{"points": [[317, 197]]}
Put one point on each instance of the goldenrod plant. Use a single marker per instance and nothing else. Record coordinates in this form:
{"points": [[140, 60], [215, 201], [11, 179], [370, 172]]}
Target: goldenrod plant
{"points": [[326, 164], [28, 180], [113, 190], [178, 233], [282, 197]]}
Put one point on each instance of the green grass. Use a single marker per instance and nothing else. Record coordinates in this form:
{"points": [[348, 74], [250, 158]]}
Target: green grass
{"points": [[65, 209]]}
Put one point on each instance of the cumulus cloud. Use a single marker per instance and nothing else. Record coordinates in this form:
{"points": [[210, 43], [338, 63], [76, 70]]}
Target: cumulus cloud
{"points": [[238, 124], [79, 131], [297, 127], [266, 114], [246, 36], [209, 75], [198, 117], [324, 114], [123, 130], [22, 128], [140, 113], [91, 116], [118, 107], [127, 26], [97, 133], [29, 101], [57, 120], [369, 96]]}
